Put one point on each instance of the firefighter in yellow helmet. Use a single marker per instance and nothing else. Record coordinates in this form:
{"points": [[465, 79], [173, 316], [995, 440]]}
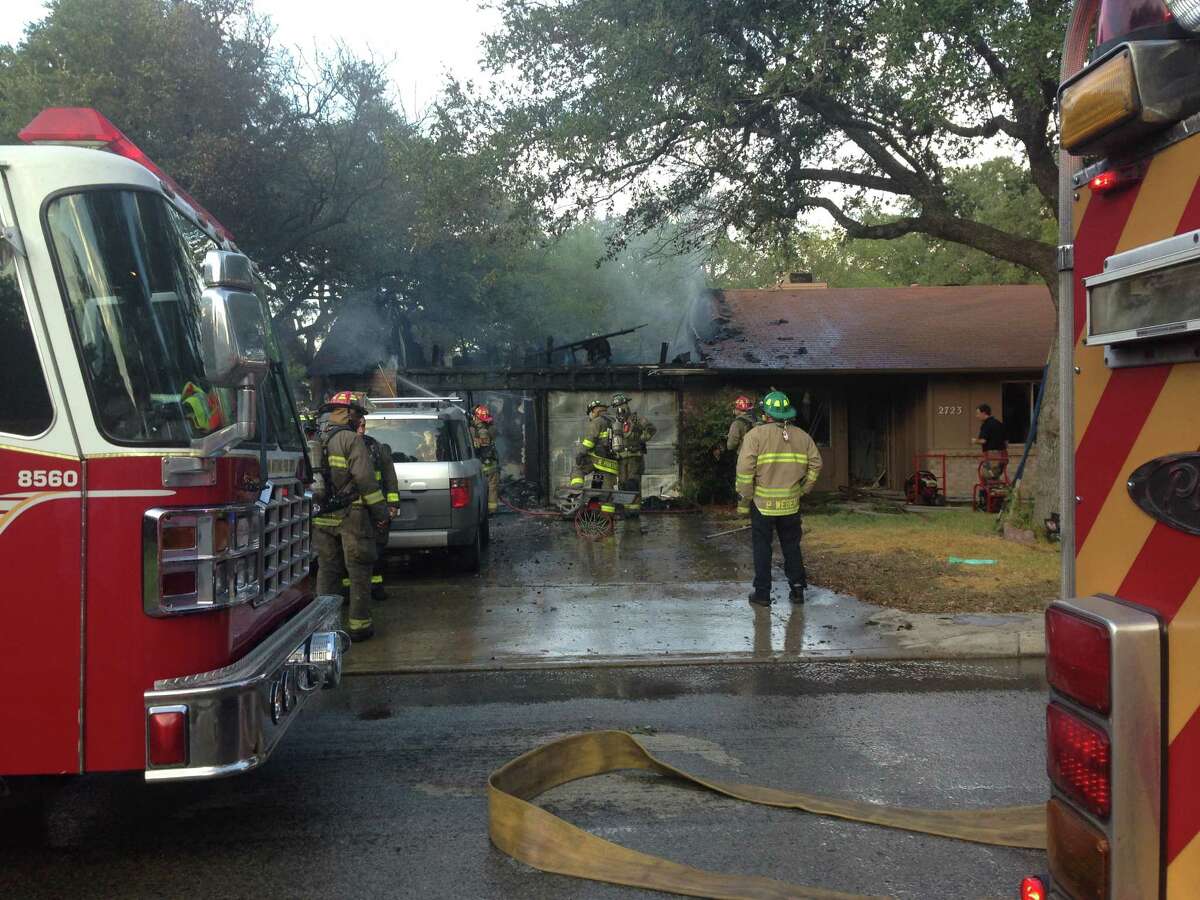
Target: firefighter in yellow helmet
{"points": [[483, 436], [777, 465], [351, 509], [596, 465]]}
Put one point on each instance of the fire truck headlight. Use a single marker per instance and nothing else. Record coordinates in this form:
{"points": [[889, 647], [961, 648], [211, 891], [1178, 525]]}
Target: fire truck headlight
{"points": [[1098, 102], [200, 559]]}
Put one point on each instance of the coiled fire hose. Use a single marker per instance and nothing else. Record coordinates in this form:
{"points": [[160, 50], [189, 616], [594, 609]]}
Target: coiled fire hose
{"points": [[542, 840]]}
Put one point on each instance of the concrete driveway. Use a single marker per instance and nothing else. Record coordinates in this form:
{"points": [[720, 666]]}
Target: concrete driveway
{"points": [[657, 591]]}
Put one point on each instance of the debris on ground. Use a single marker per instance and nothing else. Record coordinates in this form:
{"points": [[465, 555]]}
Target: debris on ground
{"points": [[522, 494]]}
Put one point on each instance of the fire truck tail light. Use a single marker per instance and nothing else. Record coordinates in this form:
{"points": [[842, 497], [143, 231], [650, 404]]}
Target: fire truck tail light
{"points": [[1098, 102], [1032, 888], [1078, 760], [1079, 659], [167, 737], [460, 493], [1078, 854], [89, 128]]}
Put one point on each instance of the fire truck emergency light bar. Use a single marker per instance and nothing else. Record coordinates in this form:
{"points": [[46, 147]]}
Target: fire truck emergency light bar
{"points": [[83, 127]]}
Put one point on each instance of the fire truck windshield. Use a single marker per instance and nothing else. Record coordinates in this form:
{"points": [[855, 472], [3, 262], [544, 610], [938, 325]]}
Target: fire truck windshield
{"points": [[128, 263]]}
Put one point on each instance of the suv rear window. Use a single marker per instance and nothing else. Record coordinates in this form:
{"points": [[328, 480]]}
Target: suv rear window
{"points": [[415, 440]]}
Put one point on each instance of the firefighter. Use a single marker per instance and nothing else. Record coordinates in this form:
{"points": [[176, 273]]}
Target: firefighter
{"points": [[596, 466], [483, 436], [385, 477], [351, 510], [778, 464], [630, 434], [743, 421]]}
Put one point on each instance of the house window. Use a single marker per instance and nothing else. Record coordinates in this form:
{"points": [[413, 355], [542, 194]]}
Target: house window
{"points": [[1018, 399], [812, 414]]}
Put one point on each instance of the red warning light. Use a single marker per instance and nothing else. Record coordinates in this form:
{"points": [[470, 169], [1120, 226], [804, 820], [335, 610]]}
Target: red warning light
{"points": [[1032, 889], [89, 128], [1105, 181]]}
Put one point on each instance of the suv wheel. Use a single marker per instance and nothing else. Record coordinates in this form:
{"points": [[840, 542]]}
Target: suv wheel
{"points": [[468, 556]]}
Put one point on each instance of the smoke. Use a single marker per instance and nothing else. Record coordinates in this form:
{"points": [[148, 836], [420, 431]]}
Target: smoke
{"points": [[587, 292]]}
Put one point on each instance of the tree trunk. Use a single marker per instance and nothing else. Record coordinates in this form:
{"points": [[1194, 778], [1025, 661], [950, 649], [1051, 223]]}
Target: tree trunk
{"points": [[1043, 488]]}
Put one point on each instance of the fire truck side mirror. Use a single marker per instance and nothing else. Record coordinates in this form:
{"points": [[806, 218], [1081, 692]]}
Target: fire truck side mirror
{"points": [[234, 324]]}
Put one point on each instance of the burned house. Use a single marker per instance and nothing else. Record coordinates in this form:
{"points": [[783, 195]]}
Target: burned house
{"points": [[878, 375], [881, 375]]}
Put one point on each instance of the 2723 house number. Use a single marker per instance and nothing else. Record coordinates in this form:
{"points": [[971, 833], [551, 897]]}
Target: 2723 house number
{"points": [[950, 410]]}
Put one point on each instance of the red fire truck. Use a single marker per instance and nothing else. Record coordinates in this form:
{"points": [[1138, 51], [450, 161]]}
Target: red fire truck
{"points": [[154, 523], [1123, 660]]}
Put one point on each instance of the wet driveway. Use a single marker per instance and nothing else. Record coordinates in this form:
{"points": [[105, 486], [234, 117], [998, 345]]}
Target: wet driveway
{"points": [[659, 590]]}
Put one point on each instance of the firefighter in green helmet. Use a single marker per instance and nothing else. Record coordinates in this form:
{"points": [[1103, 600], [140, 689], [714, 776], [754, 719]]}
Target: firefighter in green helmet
{"points": [[778, 464], [631, 433]]}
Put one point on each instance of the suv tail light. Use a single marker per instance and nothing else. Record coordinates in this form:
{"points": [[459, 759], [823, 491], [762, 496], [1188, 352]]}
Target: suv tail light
{"points": [[1079, 760], [460, 493], [1079, 659]]}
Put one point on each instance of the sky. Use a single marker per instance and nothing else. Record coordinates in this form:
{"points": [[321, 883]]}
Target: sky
{"points": [[422, 39]]}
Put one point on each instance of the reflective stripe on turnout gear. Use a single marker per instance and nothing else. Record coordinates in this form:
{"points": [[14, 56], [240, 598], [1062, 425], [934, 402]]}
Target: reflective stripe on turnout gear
{"points": [[588, 443], [370, 499], [533, 835], [767, 458], [608, 466], [608, 508], [376, 579], [359, 624], [393, 498], [576, 481], [337, 462], [327, 521]]}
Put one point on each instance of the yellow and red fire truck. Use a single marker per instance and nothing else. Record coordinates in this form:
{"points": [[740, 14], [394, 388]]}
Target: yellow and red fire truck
{"points": [[154, 522], [1123, 660]]}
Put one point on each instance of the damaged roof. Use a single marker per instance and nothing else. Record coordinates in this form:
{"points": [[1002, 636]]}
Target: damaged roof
{"points": [[955, 328]]}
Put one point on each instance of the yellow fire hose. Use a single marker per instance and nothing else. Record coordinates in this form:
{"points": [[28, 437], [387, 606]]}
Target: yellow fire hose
{"points": [[540, 839]]}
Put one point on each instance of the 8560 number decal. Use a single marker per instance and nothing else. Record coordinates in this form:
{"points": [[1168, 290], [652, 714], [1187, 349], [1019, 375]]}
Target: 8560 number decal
{"points": [[53, 478]]}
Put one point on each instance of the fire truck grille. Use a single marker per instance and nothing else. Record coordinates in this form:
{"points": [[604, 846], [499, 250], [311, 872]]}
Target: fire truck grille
{"points": [[286, 540]]}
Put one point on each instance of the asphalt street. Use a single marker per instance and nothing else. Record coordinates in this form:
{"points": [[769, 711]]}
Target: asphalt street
{"points": [[378, 791]]}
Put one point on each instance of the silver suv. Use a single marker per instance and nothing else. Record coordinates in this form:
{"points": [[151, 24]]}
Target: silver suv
{"points": [[443, 495]]}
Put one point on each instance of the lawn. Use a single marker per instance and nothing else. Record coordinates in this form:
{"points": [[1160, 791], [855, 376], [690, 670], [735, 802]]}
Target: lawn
{"points": [[901, 560]]}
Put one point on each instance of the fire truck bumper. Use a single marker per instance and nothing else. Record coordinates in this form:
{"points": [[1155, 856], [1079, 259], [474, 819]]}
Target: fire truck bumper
{"points": [[227, 721]]}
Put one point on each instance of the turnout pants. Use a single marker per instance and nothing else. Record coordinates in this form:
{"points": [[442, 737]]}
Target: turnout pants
{"points": [[762, 531], [491, 472], [629, 478], [348, 551]]}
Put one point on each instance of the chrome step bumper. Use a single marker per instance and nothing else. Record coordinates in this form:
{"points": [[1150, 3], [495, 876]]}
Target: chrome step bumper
{"points": [[235, 715]]}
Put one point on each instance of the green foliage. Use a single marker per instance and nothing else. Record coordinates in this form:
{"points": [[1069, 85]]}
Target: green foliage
{"points": [[741, 114], [997, 193], [707, 476]]}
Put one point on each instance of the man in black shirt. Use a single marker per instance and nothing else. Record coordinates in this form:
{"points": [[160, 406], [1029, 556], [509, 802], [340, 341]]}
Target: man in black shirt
{"points": [[994, 439]]}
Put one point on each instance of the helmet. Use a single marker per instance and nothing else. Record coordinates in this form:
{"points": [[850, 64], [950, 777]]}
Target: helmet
{"points": [[482, 413], [353, 400], [596, 404], [777, 405], [620, 400], [743, 404]]}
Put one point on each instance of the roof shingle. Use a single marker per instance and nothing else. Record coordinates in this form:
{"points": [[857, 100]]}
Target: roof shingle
{"points": [[967, 328]]}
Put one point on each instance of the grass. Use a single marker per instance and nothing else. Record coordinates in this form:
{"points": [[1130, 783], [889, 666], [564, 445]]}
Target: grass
{"points": [[902, 561], [881, 554]]}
